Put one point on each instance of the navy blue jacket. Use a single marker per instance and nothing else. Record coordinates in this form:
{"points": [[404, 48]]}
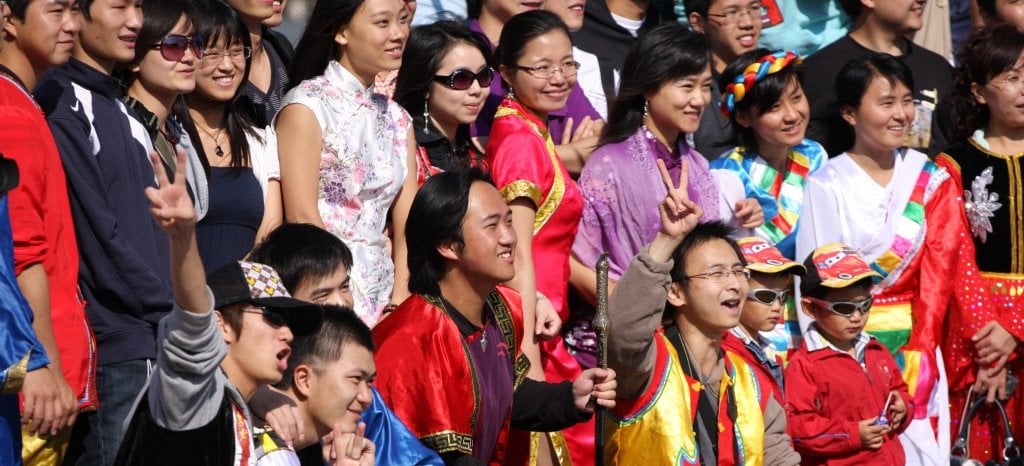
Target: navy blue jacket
{"points": [[125, 271]]}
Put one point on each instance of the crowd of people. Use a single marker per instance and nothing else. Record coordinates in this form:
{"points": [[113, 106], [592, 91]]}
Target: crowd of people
{"points": [[381, 245]]}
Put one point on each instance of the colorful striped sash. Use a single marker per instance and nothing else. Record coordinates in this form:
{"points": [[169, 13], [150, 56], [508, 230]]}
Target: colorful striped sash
{"points": [[909, 225]]}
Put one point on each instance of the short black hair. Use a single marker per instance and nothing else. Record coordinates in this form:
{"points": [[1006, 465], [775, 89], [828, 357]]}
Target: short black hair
{"points": [[988, 52], [519, 31], [340, 326], [700, 7], [988, 7], [302, 253], [853, 8], [702, 234], [852, 83], [436, 218]]}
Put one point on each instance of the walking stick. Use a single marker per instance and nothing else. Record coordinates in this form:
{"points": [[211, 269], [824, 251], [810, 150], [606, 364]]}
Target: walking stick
{"points": [[602, 325]]}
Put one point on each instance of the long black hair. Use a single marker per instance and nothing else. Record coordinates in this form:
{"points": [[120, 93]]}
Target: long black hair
{"points": [[761, 97], [216, 20], [520, 30], [853, 82], [667, 52], [435, 218], [317, 47], [989, 52], [424, 52]]}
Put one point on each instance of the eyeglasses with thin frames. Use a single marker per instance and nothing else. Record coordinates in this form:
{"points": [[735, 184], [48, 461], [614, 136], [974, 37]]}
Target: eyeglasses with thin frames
{"points": [[567, 69], [733, 15], [722, 276], [212, 58], [844, 308]]}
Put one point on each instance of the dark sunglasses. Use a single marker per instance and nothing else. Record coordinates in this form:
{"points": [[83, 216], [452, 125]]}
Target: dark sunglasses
{"points": [[462, 79], [173, 47], [768, 296], [273, 318], [845, 308]]}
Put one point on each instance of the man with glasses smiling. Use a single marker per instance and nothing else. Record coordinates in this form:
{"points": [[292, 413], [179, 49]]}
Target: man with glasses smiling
{"points": [[683, 398], [846, 398]]}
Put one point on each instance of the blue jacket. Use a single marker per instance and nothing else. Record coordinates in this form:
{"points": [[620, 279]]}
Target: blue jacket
{"points": [[125, 272]]}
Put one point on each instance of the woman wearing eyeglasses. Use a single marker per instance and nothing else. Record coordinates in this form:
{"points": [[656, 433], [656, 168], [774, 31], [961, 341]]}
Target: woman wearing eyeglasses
{"points": [[163, 70], [348, 156], [903, 214], [443, 83], [238, 158], [538, 69]]}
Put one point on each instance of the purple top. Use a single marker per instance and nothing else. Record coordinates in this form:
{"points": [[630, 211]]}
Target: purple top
{"points": [[577, 107], [494, 373], [622, 189]]}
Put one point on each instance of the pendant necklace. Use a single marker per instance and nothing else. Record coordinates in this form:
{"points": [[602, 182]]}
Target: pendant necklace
{"points": [[216, 140]]}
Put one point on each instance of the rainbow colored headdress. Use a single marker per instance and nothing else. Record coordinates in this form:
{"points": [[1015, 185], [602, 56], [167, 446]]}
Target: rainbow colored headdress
{"points": [[754, 73]]}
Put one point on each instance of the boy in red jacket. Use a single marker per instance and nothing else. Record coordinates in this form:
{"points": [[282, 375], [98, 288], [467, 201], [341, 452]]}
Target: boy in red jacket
{"points": [[770, 286], [847, 401]]}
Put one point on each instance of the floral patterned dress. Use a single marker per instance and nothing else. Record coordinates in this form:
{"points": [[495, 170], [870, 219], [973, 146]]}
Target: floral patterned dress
{"points": [[362, 166]]}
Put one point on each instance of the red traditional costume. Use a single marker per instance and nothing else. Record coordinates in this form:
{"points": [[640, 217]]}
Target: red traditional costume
{"points": [[992, 184], [913, 233], [426, 375], [524, 164]]}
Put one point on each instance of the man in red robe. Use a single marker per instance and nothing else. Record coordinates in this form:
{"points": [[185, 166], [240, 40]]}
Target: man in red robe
{"points": [[449, 358]]}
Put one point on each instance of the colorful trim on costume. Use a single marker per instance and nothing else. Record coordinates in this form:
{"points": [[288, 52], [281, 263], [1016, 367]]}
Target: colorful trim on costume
{"points": [[753, 74], [748, 428], [546, 208], [504, 318], [13, 377], [909, 226]]}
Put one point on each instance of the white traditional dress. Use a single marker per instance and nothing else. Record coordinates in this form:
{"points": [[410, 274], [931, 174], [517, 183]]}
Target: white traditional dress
{"points": [[362, 166], [913, 232]]}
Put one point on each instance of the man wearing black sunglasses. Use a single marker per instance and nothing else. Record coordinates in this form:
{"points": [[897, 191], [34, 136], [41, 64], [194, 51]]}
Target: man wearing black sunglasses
{"points": [[681, 393], [765, 311], [228, 335], [846, 396]]}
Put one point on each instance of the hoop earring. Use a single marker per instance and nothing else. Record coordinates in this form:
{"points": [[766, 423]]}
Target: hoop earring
{"points": [[426, 118]]}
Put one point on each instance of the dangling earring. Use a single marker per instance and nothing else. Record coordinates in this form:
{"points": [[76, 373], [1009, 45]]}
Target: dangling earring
{"points": [[511, 94], [646, 109], [647, 132], [426, 118]]}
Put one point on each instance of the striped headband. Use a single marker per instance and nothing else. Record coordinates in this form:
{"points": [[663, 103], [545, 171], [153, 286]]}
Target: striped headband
{"points": [[753, 74]]}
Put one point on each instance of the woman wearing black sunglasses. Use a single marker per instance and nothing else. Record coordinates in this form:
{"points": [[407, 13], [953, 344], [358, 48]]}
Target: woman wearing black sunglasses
{"points": [[443, 83], [166, 54]]}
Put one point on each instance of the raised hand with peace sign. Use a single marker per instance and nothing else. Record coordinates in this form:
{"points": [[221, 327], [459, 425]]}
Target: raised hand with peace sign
{"points": [[679, 215]]}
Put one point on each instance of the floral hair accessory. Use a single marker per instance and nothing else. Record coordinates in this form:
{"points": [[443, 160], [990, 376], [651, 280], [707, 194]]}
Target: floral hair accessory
{"points": [[753, 74]]}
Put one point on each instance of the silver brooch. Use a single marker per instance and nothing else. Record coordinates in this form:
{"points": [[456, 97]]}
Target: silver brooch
{"points": [[981, 205]]}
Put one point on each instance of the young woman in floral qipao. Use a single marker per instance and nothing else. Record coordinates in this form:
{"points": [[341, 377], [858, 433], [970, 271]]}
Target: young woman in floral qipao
{"points": [[347, 154]]}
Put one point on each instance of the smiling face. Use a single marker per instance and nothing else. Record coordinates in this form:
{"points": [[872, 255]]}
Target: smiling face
{"points": [[732, 26], [706, 304], [552, 49], [450, 108], [569, 11], [783, 125], [277, 18], [47, 33], [340, 392], [108, 37], [374, 38], [1004, 96], [904, 16], [881, 121], [161, 78], [219, 76], [677, 105], [488, 245]]}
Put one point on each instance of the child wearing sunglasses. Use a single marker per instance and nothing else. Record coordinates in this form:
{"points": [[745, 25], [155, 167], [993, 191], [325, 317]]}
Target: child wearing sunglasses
{"points": [[770, 287], [847, 400]]}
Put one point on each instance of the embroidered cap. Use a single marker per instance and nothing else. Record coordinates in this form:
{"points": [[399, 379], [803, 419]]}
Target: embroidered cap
{"points": [[835, 265], [765, 258], [259, 284]]}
